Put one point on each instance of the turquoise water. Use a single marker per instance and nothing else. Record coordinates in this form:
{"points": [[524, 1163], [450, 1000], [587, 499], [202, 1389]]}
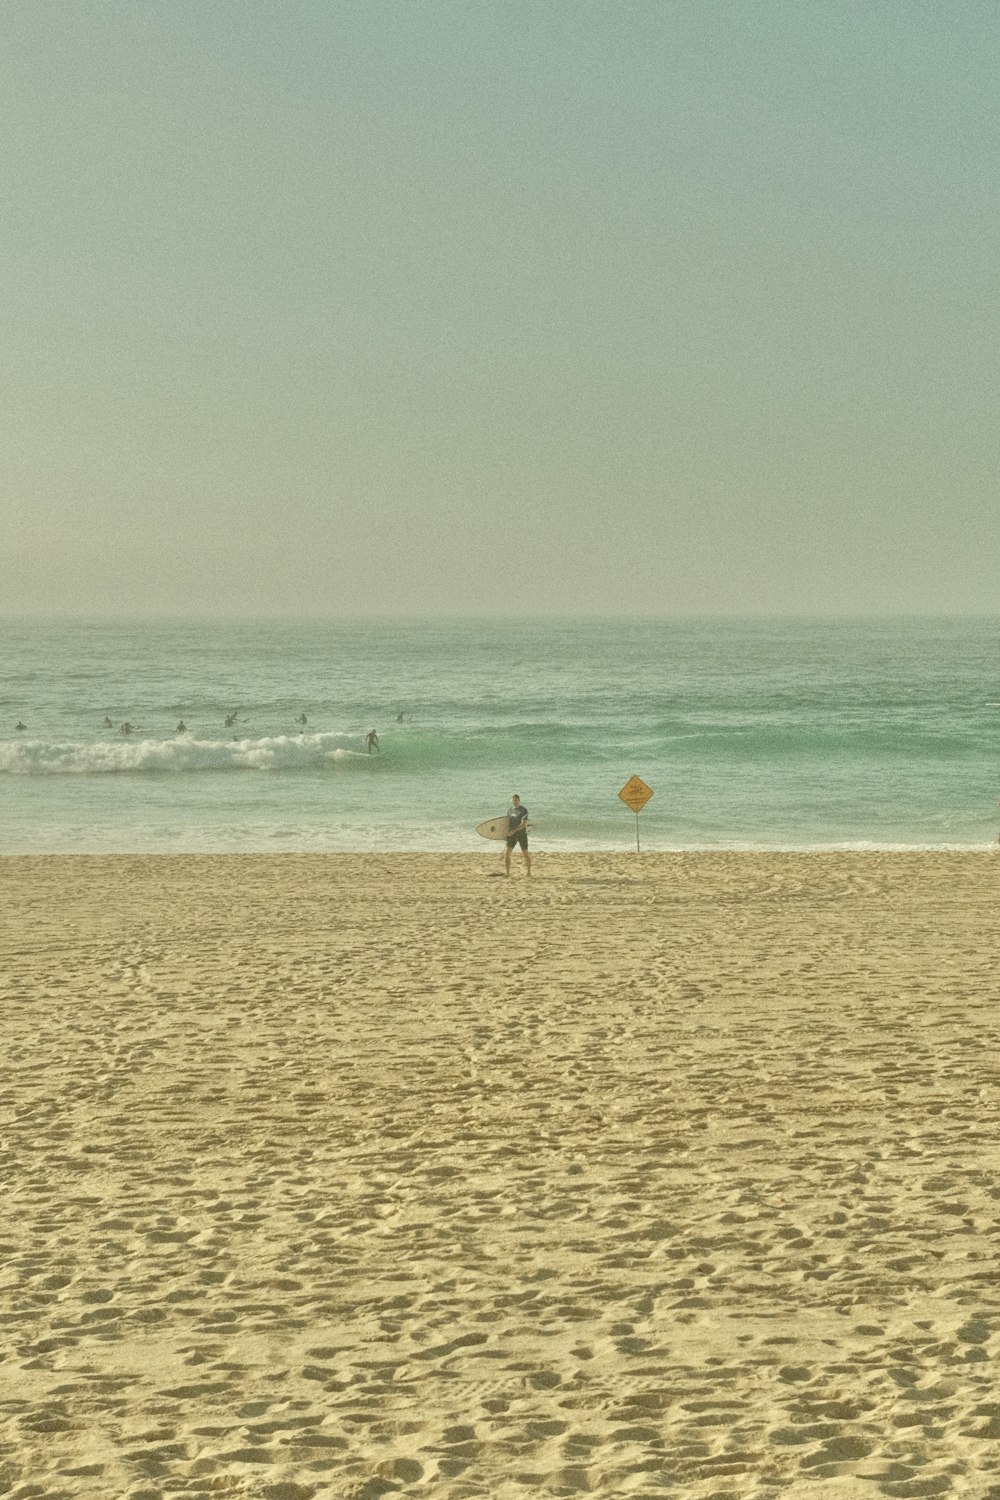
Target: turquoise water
{"points": [[752, 733]]}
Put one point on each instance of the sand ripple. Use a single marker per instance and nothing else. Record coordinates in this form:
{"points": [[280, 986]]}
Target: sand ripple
{"points": [[374, 1176]]}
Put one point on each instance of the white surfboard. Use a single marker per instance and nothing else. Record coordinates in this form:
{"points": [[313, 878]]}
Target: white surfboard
{"points": [[496, 828]]}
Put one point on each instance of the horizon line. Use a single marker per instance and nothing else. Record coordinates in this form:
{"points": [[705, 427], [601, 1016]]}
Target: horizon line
{"points": [[566, 617]]}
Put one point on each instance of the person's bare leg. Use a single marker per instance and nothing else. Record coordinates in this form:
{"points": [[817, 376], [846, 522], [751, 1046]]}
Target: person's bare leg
{"points": [[506, 861]]}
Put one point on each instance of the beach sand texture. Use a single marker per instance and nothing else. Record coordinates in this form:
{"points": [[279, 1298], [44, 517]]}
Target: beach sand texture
{"points": [[357, 1176]]}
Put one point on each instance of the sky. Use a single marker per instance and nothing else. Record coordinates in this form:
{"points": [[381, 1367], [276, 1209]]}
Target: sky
{"points": [[431, 307]]}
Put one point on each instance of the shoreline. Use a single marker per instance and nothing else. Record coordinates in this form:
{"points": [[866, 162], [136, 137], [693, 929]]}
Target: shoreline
{"points": [[333, 1173], [546, 851]]}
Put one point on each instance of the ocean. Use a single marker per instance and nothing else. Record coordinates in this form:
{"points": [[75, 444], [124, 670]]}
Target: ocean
{"points": [[753, 734]]}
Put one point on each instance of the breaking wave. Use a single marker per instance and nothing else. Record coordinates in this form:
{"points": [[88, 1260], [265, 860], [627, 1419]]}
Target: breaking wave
{"points": [[411, 751], [111, 757]]}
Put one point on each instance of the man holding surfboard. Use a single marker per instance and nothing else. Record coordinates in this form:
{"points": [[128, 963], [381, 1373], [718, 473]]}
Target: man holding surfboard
{"points": [[517, 833]]}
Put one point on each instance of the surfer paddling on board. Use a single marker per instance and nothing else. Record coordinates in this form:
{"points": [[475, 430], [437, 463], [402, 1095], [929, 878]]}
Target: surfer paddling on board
{"points": [[517, 833]]}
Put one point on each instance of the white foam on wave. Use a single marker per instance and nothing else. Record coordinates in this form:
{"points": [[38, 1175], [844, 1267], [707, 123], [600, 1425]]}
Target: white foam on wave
{"points": [[184, 753]]}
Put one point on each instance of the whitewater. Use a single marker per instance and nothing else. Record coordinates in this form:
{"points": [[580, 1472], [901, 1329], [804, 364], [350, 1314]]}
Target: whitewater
{"points": [[805, 733]]}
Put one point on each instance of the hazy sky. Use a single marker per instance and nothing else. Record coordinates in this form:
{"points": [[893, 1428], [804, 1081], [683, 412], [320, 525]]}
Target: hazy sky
{"points": [[575, 306]]}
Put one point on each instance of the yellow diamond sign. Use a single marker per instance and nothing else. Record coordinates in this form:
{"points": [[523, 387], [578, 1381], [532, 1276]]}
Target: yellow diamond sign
{"points": [[635, 793]]}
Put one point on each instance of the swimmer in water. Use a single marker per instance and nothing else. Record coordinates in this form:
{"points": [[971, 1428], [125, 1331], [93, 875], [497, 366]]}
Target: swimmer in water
{"points": [[182, 727], [19, 725]]}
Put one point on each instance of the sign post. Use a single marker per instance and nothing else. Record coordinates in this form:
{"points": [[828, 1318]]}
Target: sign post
{"points": [[635, 794]]}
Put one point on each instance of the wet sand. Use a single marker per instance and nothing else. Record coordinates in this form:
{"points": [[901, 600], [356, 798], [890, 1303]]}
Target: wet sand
{"points": [[357, 1176]]}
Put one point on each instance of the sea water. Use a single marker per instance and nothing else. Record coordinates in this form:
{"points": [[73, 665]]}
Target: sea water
{"points": [[759, 734]]}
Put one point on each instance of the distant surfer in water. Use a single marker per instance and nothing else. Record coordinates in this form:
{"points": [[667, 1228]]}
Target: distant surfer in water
{"points": [[517, 833], [182, 727], [19, 726], [371, 740]]}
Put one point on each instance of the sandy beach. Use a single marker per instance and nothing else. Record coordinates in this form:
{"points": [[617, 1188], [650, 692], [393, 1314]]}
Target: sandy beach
{"points": [[356, 1176]]}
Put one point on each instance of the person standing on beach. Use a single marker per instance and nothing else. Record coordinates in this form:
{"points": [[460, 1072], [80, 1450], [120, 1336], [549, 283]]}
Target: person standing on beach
{"points": [[517, 833]]}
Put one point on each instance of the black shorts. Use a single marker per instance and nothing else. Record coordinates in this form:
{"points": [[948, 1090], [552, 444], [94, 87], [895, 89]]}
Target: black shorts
{"points": [[520, 837]]}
